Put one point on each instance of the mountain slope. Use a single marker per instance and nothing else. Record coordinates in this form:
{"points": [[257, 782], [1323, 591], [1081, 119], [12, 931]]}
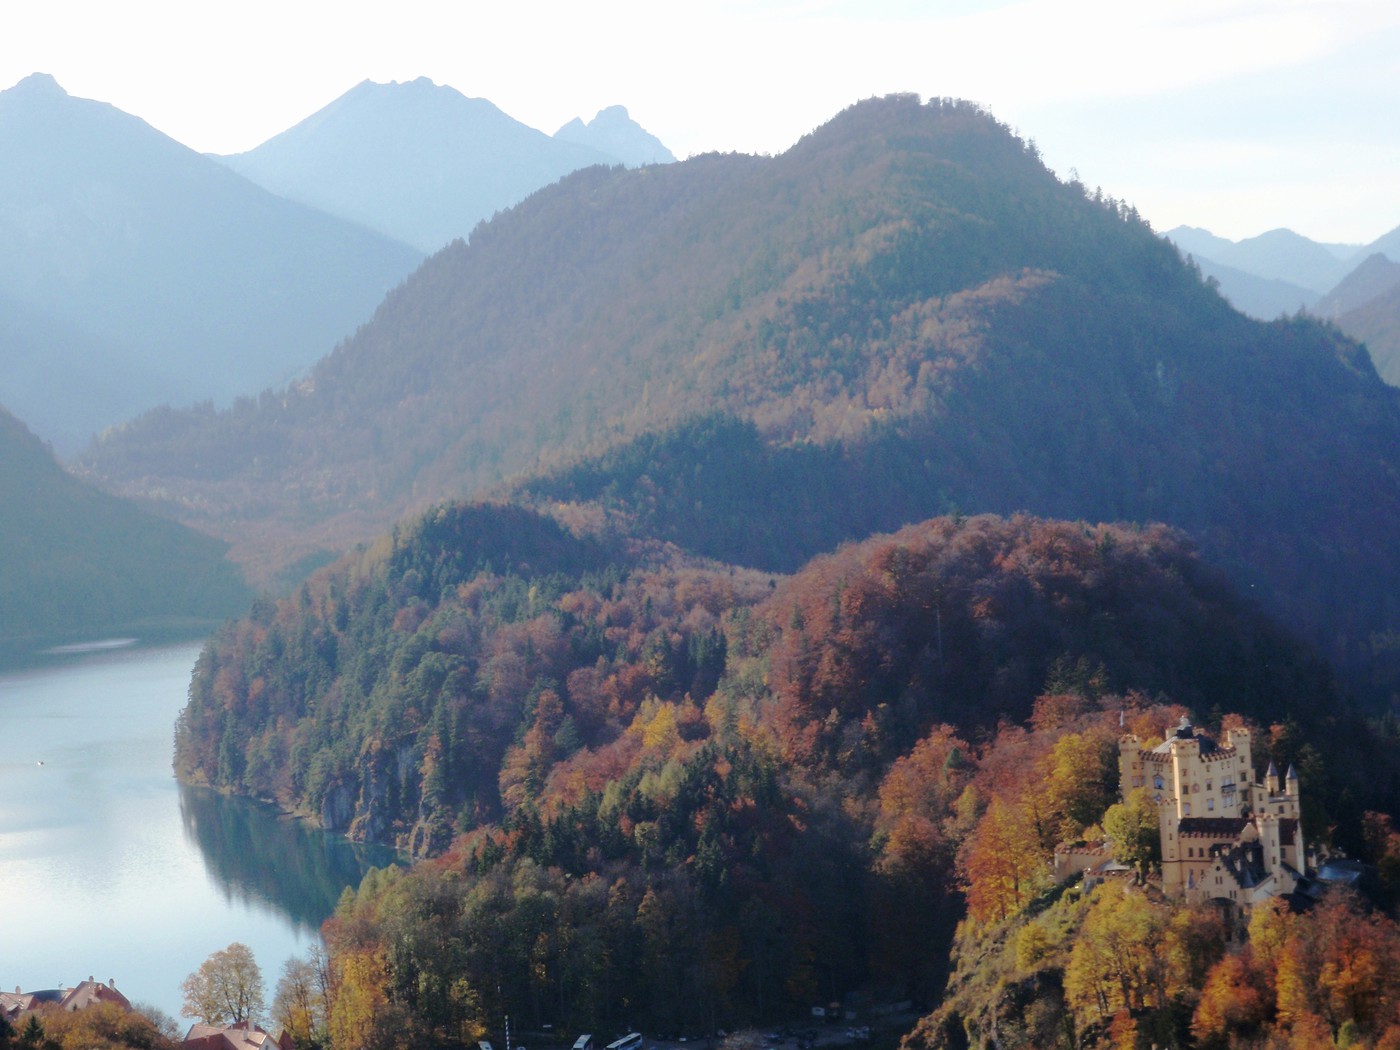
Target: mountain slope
{"points": [[1262, 298], [66, 380], [1387, 244], [1373, 276], [423, 163], [1377, 324], [162, 265], [911, 313], [75, 560]]}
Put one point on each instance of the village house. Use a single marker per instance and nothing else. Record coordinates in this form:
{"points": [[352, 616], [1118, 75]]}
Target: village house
{"points": [[16, 1005], [241, 1035]]}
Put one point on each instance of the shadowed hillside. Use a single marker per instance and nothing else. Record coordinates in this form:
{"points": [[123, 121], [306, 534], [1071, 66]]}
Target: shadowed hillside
{"points": [[75, 560]]}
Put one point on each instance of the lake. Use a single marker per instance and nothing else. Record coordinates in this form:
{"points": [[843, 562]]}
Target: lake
{"points": [[109, 868]]}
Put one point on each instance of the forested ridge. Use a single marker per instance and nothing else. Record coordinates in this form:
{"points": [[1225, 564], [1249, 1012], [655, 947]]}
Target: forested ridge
{"points": [[904, 315], [680, 794]]}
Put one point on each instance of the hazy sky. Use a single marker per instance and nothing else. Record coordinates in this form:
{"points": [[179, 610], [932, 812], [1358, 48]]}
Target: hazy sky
{"points": [[1236, 115]]}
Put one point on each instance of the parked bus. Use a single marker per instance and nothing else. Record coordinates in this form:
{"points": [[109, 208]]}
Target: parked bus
{"points": [[632, 1041]]}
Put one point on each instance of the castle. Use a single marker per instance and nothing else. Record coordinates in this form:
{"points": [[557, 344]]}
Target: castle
{"points": [[1224, 837]]}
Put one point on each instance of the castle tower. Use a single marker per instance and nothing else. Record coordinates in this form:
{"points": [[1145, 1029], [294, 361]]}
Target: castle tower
{"points": [[1168, 831], [1300, 862], [1269, 842], [1241, 775], [1185, 758], [1130, 768]]}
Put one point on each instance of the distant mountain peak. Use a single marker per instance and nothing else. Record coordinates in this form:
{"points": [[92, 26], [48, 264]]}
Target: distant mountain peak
{"points": [[614, 132], [423, 162], [612, 115], [39, 83]]}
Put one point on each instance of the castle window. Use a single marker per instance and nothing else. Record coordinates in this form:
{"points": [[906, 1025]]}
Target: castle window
{"points": [[1195, 789], [1208, 784], [1187, 808], [1158, 782], [1210, 804]]}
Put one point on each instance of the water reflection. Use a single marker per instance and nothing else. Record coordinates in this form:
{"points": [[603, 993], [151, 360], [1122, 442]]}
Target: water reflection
{"points": [[255, 855]]}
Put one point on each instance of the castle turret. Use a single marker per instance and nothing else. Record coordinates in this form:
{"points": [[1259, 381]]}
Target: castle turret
{"points": [[1271, 784], [1291, 782]]}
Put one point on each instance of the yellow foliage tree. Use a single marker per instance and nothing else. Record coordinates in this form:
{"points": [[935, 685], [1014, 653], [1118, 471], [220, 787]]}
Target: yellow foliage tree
{"points": [[359, 998], [1117, 962]]}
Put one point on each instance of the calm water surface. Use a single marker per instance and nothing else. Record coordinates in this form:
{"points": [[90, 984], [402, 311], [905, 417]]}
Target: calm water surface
{"points": [[109, 868]]}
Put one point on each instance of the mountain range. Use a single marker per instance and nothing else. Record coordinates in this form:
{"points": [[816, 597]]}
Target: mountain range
{"points": [[135, 272], [758, 358], [1278, 255], [423, 163], [1281, 272]]}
